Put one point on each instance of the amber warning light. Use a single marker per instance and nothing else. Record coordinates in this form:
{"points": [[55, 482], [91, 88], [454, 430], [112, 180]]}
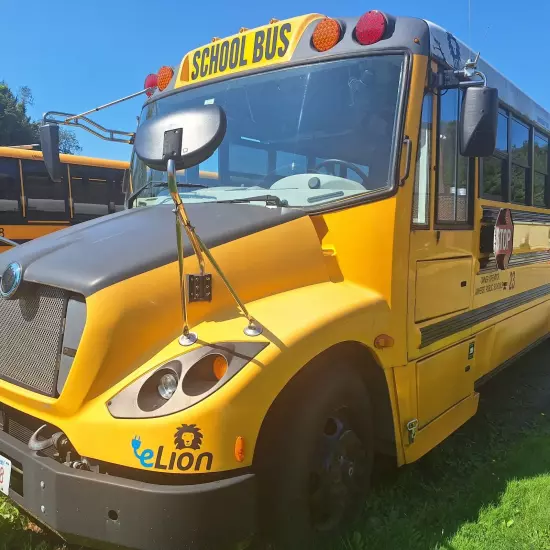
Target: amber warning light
{"points": [[158, 81], [326, 35]]}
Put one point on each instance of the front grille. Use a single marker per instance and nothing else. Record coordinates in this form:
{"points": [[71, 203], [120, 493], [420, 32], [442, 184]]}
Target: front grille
{"points": [[31, 332]]}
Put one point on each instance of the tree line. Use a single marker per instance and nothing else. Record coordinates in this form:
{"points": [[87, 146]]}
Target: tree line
{"points": [[16, 126]]}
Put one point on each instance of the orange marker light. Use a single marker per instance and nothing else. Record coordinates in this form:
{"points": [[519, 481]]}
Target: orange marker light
{"points": [[219, 366], [383, 341], [326, 35], [165, 74], [239, 449]]}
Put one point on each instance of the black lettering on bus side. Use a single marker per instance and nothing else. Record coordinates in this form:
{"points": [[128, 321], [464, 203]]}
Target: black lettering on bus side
{"points": [[286, 28], [205, 55], [214, 59], [271, 42], [224, 56], [258, 52], [195, 71]]}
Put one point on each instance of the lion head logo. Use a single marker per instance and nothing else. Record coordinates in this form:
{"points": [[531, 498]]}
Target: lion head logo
{"points": [[188, 436]]}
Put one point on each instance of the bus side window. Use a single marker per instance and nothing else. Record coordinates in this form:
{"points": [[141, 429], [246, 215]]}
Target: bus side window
{"points": [[453, 173], [495, 168], [421, 193], [11, 211], [46, 200], [91, 192], [118, 189]]}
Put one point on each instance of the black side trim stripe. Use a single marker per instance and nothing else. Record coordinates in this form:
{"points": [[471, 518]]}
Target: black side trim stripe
{"points": [[442, 329], [490, 214], [518, 260]]}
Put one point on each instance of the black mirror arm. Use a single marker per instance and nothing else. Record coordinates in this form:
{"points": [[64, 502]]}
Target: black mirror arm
{"points": [[68, 119]]}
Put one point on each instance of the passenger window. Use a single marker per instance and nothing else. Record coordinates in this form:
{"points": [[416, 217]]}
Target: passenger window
{"points": [[454, 169], [421, 193], [520, 161], [10, 192], [95, 191], [46, 200], [495, 168], [541, 170]]}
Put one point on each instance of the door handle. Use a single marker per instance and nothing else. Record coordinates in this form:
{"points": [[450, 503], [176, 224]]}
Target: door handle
{"points": [[408, 144]]}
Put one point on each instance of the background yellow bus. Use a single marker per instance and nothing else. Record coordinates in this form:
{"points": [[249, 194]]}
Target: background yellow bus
{"points": [[32, 205]]}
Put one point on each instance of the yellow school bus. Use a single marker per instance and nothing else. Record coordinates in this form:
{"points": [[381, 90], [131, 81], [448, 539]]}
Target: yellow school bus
{"points": [[32, 205], [360, 239]]}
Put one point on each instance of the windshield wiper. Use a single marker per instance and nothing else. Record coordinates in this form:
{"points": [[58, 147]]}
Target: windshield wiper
{"points": [[270, 200], [164, 184]]}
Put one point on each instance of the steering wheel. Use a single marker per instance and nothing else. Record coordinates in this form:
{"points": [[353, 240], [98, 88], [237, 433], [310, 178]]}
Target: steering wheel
{"points": [[332, 162]]}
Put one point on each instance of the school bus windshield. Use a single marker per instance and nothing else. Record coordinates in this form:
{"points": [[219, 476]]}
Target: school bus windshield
{"points": [[308, 135]]}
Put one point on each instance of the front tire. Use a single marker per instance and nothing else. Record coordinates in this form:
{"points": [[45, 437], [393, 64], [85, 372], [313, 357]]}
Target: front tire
{"points": [[315, 456]]}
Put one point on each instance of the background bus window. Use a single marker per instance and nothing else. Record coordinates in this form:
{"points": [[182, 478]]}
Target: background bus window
{"points": [[96, 191], [421, 193], [495, 168], [520, 161], [10, 192], [541, 170], [288, 164], [46, 200], [453, 173]]}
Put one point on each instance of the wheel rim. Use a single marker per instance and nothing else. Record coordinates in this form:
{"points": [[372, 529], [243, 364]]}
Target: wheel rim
{"points": [[338, 472]]}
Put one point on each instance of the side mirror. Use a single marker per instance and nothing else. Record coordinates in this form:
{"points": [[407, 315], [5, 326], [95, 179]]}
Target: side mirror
{"points": [[49, 140], [188, 136], [478, 122]]}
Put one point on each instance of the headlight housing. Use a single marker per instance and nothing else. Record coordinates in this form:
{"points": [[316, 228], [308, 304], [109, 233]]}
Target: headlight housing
{"points": [[184, 381]]}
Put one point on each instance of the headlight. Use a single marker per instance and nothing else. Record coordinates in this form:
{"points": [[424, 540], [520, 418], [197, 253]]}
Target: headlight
{"points": [[168, 385], [184, 381]]}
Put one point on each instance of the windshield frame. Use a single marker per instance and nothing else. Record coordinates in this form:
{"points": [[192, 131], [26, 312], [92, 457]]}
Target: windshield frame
{"points": [[397, 147]]}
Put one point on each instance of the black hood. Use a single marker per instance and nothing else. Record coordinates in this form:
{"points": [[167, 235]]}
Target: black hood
{"points": [[93, 255]]}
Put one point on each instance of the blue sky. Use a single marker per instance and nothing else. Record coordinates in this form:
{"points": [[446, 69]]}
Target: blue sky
{"points": [[77, 55]]}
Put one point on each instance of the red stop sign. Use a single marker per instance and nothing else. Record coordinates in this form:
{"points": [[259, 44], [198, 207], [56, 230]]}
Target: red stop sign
{"points": [[503, 243]]}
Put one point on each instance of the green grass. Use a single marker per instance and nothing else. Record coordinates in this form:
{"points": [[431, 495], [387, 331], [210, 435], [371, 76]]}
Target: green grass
{"points": [[485, 487]]}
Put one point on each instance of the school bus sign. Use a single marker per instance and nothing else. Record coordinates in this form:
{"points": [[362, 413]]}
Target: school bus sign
{"points": [[257, 48]]}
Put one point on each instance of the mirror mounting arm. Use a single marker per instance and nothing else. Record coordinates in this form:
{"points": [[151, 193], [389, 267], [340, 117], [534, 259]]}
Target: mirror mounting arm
{"points": [[188, 338], [3, 240], [67, 119]]}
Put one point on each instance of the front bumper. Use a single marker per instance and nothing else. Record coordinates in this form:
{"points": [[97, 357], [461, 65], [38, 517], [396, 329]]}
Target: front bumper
{"points": [[102, 511]]}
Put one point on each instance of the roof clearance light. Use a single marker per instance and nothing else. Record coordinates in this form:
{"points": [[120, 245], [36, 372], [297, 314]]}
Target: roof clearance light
{"points": [[371, 27], [326, 35], [151, 82], [165, 75]]}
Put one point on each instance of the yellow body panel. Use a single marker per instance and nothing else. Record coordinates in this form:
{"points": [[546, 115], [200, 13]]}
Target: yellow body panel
{"points": [[442, 287], [443, 380]]}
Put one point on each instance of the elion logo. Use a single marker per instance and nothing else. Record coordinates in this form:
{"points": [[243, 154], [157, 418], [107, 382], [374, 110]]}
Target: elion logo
{"points": [[188, 437]]}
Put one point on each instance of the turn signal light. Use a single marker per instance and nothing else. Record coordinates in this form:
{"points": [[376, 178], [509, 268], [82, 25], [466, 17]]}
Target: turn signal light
{"points": [[151, 82], [383, 341], [371, 27], [165, 75], [239, 449], [326, 35], [219, 366]]}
